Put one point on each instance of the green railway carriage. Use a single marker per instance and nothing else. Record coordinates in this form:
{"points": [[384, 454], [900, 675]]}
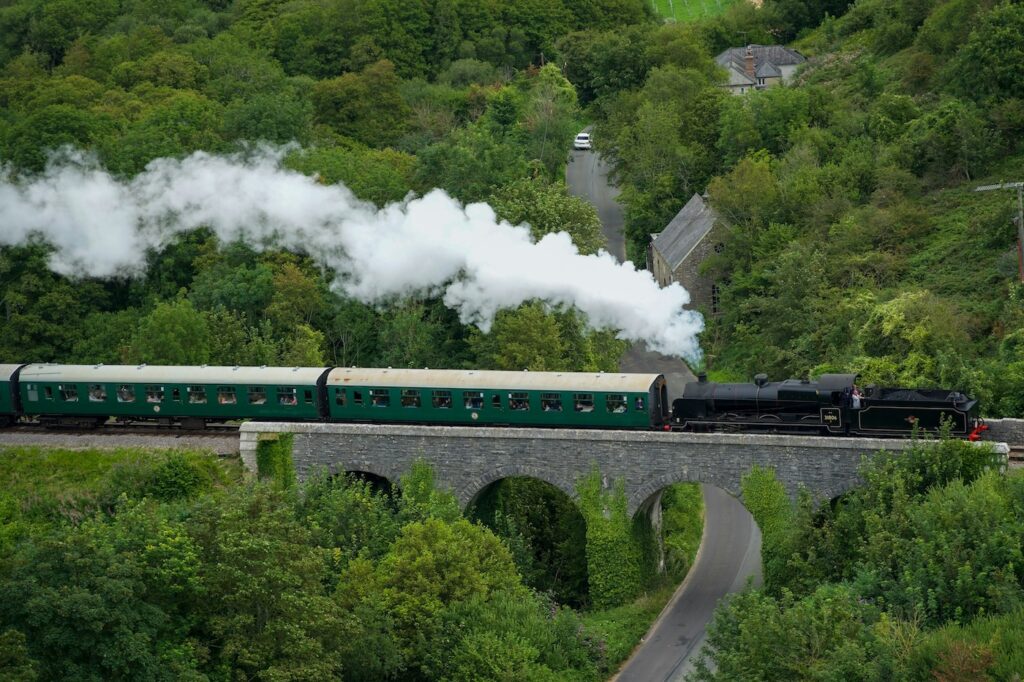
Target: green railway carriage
{"points": [[86, 394], [8, 393], [556, 399]]}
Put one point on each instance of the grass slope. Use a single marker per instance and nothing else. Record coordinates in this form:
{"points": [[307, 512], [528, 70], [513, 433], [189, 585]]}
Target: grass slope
{"points": [[688, 10]]}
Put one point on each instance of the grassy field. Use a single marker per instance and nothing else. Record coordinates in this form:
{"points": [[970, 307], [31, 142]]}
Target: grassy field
{"points": [[688, 10]]}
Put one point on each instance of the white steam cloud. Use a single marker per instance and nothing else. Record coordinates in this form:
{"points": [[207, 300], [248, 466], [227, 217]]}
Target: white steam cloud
{"points": [[101, 226]]}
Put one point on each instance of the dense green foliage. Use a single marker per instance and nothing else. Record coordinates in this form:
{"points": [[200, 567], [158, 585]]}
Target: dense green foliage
{"points": [[915, 575], [141, 565]]}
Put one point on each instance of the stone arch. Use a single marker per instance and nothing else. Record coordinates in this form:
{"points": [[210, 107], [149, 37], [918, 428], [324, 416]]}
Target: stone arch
{"points": [[470, 489], [654, 484], [377, 481]]}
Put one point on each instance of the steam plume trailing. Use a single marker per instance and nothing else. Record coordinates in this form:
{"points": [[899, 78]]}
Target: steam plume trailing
{"points": [[101, 226]]}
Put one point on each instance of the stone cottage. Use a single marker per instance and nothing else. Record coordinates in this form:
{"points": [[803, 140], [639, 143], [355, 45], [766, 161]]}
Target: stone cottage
{"points": [[675, 253], [756, 67]]}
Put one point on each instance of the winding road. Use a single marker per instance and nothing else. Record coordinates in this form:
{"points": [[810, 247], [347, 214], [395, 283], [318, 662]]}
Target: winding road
{"points": [[730, 551]]}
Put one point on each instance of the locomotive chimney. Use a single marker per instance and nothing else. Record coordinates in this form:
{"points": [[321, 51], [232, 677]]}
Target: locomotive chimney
{"points": [[760, 379], [702, 378]]}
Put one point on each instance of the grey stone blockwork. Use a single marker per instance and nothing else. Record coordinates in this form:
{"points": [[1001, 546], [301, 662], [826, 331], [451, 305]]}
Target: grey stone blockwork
{"points": [[468, 459]]}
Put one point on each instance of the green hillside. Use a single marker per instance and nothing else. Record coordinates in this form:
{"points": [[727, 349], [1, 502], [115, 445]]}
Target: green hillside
{"points": [[854, 240]]}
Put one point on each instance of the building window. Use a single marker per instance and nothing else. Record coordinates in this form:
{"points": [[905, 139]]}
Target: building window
{"points": [[197, 395], [410, 397], [551, 402], [441, 400], [715, 299]]}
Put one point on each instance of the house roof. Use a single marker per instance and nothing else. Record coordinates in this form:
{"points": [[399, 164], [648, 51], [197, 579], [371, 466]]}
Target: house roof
{"points": [[767, 59], [768, 70], [685, 231]]}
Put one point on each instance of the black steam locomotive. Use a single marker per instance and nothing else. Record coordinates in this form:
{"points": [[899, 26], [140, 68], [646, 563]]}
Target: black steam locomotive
{"points": [[831, 405]]}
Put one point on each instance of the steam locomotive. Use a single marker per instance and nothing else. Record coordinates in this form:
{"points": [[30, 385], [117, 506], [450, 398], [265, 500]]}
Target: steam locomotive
{"points": [[90, 395], [831, 405]]}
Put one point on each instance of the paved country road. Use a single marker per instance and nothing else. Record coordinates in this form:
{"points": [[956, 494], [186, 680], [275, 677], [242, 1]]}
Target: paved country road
{"points": [[587, 177], [730, 550]]}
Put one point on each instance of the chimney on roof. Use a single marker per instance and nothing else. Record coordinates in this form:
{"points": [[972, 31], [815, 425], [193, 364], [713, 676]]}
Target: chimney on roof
{"points": [[748, 62]]}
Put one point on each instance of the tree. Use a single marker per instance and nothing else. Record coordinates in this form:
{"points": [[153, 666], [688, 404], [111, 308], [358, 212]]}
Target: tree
{"points": [[432, 565], [983, 69], [469, 164], [547, 207], [365, 106], [266, 605], [524, 338], [174, 333], [109, 598]]}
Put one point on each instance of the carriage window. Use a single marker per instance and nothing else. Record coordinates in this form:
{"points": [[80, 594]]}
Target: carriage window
{"points": [[379, 397], [496, 401], [616, 403], [154, 394], [474, 400], [226, 395], [309, 397], [197, 395], [519, 401], [257, 395], [97, 393], [33, 393], [48, 391], [176, 395], [442, 400], [357, 397], [286, 396], [410, 397], [69, 393], [339, 397], [583, 402], [639, 403], [126, 393], [551, 402]]}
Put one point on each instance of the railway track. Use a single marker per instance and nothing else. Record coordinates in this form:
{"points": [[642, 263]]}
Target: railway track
{"points": [[220, 438], [123, 429]]}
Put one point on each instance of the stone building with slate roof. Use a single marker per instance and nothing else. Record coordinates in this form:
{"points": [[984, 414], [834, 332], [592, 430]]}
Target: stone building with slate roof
{"points": [[756, 67], [675, 253]]}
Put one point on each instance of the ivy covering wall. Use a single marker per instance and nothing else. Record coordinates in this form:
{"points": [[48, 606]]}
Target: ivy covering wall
{"points": [[274, 460]]}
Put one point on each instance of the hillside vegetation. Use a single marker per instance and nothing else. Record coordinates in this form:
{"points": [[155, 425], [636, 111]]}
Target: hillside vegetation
{"points": [[855, 240]]}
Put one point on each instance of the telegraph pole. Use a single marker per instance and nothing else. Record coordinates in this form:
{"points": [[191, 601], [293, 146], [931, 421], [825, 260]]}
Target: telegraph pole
{"points": [[1019, 186]]}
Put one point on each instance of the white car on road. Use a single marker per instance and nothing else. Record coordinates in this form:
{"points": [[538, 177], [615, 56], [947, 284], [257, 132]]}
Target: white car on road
{"points": [[582, 141]]}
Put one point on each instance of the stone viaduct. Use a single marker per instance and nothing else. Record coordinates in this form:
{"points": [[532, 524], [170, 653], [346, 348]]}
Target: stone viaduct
{"points": [[468, 459]]}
